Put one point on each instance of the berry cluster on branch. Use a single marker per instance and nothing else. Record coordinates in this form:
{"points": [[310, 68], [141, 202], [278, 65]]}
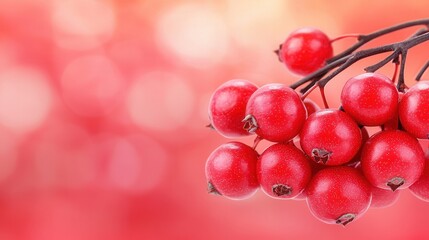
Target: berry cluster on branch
{"points": [[326, 155]]}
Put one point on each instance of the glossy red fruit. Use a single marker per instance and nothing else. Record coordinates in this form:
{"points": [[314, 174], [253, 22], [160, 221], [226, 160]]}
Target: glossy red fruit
{"points": [[315, 167], [338, 195], [371, 99], [283, 171], [311, 106], [392, 160], [355, 162], [227, 107], [301, 197], [393, 123], [231, 171], [275, 112], [305, 50], [420, 188], [331, 137], [382, 198], [413, 110]]}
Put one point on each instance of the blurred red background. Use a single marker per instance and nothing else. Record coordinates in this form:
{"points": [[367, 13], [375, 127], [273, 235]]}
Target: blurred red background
{"points": [[103, 105]]}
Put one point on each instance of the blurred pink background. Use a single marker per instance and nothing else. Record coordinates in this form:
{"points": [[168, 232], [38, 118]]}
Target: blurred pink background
{"points": [[103, 105]]}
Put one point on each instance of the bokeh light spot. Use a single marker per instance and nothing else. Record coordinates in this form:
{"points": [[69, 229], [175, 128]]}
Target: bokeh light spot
{"points": [[160, 101], [63, 157], [25, 98], [82, 24], [195, 33], [91, 85], [134, 164]]}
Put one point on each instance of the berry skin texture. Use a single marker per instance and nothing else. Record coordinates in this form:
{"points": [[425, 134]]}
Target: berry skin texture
{"points": [[413, 110], [355, 162], [283, 171], [311, 106], [275, 112], [338, 195], [392, 160], [305, 50], [371, 99], [231, 171], [382, 198], [420, 188], [331, 137], [228, 105], [393, 123]]}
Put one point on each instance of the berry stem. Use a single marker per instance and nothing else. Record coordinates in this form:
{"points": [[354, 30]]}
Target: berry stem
{"points": [[256, 142], [322, 93], [383, 62], [422, 71], [308, 91], [309, 86], [395, 72], [401, 79], [352, 35], [363, 39]]}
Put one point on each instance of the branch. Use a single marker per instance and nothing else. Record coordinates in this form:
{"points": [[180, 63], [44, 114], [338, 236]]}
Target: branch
{"points": [[363, 39], [422, 71]]}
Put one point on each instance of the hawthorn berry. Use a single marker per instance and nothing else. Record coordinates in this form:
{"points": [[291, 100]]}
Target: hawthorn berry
{"points": [[420, 188], [355, 162], [331, 137], [392, 160], [413, 110], [231, 171], [393, 123], [311, 106], [305, 50], [283, 171], [275, 112], [227, 107], [370, 98], [338, 195], [382, 198], [326, 156]]}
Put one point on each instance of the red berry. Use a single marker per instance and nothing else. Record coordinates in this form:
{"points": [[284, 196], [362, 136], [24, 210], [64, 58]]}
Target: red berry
{"points": [[338, 195], [275, 112], [300, 197], [283, 171], [355, 162], [413, 110], [382, 198], [393, 123], [420, 188], [315, 167], [231, 171], [311, 106], [330, 137], [392, 160], [305, 50], [370, 98], [227, 107]]}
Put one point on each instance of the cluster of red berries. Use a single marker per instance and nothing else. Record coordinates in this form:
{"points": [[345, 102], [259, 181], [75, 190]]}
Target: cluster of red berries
{"points": [[325, 156]]}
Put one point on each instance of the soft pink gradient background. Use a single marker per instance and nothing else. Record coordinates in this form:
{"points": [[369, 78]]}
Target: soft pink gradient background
{"points": [[103, 106]]}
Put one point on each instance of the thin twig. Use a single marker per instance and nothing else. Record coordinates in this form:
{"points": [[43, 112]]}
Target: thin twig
{"points": [[422, 71], [363, 39]]}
